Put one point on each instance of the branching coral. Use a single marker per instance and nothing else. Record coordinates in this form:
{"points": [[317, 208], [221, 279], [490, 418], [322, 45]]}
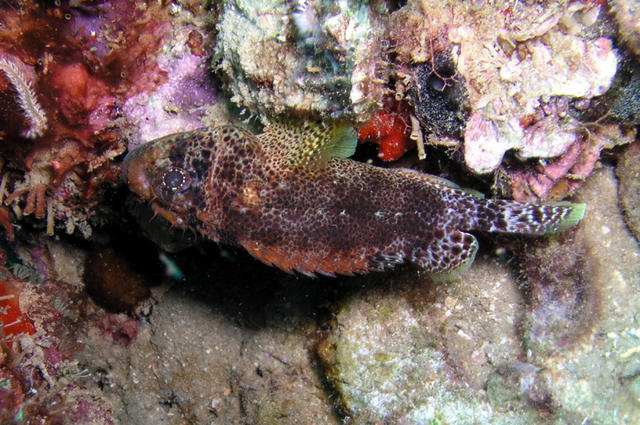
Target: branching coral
{"points": [[26, 97]]}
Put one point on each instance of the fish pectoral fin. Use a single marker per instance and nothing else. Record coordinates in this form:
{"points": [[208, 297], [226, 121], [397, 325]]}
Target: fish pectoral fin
{"points": [[172, 218], [446, 258], [315, 262], [310, 145]]}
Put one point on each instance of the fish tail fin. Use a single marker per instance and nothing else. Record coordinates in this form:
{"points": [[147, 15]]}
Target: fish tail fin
{"points": [[497, 215]]}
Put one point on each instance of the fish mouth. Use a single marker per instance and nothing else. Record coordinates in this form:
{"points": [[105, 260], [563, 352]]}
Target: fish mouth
{"points": [[134, 171], [139, 164]]}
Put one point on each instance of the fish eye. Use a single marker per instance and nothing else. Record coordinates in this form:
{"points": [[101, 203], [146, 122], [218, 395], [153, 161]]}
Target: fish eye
{"points": [[175, 179]]}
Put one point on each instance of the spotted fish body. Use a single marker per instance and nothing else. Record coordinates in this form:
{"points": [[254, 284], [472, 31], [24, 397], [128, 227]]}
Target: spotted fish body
{"points": [[290, 199]]}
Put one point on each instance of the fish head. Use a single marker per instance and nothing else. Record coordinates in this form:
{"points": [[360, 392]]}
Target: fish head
{"points": [[170, 173]]}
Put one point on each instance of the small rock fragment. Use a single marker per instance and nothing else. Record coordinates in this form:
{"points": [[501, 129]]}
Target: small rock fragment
{"points": [[628, 172]]}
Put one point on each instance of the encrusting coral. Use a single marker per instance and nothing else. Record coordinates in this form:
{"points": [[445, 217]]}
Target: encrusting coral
{"points": [[305, 58]]}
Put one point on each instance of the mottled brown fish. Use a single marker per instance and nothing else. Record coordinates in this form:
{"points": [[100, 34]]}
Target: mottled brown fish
{"points": [[291, 199]]}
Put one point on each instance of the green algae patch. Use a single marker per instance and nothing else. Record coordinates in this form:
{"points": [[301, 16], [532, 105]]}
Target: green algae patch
{"points": [[271, 413]]}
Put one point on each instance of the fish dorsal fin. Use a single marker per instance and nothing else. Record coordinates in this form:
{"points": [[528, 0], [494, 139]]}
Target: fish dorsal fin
{"points": [[439, 181], [310, 145]]}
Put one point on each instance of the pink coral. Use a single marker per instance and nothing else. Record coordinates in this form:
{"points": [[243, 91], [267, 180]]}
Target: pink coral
{"points": [[562, 176]]}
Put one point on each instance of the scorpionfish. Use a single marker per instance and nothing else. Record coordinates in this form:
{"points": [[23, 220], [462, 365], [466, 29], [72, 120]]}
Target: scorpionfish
{"points": [[292, 199]]}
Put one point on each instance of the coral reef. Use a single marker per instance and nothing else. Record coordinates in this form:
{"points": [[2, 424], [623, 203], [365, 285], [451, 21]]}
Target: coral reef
{"points": [[483, 79], [521, 94], [627, 16], [519, 66], [305, 58], [560, 177], [70, 76], [42, 382]]}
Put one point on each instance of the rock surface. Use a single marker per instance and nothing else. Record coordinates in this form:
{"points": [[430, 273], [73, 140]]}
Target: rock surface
{"points": [[194, 361]]}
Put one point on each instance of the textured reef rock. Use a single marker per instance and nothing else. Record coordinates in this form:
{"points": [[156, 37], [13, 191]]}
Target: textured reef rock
{"points": [[203, 356], [303, 58], [521, 65], [560, 177], [485, 78], [418, 353], [185, 98], [43, 382], [627, 14]]}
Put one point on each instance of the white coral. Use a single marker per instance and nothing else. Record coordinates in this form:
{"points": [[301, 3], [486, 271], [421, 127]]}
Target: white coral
{"points": [[26, 98]]}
